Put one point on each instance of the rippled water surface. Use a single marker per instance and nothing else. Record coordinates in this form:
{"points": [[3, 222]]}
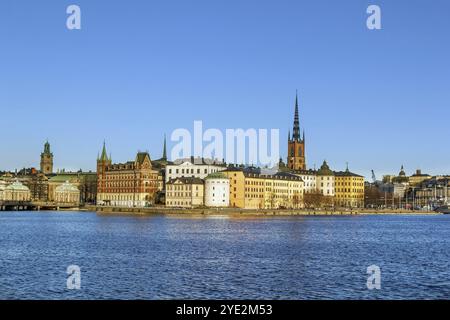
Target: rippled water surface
{"points": [[162, 257]]}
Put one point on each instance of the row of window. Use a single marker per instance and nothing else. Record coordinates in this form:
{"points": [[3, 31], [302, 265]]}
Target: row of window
{"points": [[181, 187], [349, 190], [187, 171], [355, 184], [178, 203], [181, 194]]}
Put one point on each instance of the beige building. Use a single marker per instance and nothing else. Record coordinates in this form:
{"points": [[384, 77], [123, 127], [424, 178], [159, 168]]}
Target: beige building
{"points": [[2, 189], [417, 178], [185, 192], [16, 192], [251, 190], [67, 193], [85, 182]]}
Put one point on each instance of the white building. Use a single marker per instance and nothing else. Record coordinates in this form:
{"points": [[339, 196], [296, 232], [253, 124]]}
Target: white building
{"points": [[310, 180], [192, 168], [325, 180], [16, 191], [217, 190], [67, 193], [322, 180]]}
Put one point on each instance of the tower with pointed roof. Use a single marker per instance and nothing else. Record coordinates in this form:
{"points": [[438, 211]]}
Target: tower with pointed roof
{"points": [[47, 159], [103, 161], [296, 144], [164, 156]]}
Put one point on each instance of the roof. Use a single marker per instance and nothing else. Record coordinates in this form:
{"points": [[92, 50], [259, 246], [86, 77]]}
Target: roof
{"points": [[252, 172], [245, 170], [140, 157], [216, 175], [17, 186], [346, 173], [325, 170], [186, 180], [64, 177], [67, 187], [199, 161]]}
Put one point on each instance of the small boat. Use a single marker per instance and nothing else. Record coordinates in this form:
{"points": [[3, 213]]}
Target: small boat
{"points": [[443, 209]]}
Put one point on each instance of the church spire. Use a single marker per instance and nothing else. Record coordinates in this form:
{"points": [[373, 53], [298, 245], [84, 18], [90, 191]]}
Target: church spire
{"points": [[296, 133], [164, 156], [104, 156]]}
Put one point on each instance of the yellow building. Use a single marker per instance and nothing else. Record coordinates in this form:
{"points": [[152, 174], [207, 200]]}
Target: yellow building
{"points": [[185, 192], [418, 178], [251, 190], [349, 189]]}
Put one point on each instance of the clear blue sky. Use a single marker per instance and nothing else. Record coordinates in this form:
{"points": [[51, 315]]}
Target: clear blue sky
{"points": [[232, 64]]}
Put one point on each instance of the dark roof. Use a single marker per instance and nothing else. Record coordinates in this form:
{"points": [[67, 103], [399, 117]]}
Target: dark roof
{"points": [[288, 175], [140, 157], [346, 173], [245, 170], [254, 172], [306, 171], [199, 161]]}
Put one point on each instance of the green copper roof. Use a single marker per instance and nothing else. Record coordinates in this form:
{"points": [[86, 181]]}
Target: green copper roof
{"points": [[104, 156], [325, 170], [216, 175]]}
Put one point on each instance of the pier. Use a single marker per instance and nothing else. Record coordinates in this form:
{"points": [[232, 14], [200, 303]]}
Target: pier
{"points": [[34, 205]]}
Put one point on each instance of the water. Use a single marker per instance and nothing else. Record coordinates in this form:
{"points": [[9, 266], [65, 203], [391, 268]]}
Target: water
{"points": [[161, 257]]}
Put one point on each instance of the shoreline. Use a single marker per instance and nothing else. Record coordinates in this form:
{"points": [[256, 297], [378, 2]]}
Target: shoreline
{"points": [[246, 212]]}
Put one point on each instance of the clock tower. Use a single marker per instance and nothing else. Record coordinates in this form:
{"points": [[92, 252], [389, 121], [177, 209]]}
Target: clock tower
{"points": [[47, 160]]}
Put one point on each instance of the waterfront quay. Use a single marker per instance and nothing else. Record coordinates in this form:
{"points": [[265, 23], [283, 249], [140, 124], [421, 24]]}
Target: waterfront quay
{"points": [[34, 205], [245, 212]]}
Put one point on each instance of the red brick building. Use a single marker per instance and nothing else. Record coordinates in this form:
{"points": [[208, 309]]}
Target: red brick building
{"points": [[130, 184]]}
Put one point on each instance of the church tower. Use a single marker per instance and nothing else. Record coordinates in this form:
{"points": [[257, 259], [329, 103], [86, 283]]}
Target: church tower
{"points": [[47, 160], [296, 144]]}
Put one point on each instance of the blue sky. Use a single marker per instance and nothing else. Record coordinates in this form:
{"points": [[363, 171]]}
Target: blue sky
{"points": [[139, 69]]}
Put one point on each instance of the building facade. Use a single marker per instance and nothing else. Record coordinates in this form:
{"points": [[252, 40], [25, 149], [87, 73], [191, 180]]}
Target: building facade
{"points": [[185, 192], [325, 180], [349, 189], [16, 191], [67, 193], [85, 182], [217, 190], [130, 184], [252, 190], [193, 167]]}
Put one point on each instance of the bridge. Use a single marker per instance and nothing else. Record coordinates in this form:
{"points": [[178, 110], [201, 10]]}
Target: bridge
{"points": [[34, 205]]}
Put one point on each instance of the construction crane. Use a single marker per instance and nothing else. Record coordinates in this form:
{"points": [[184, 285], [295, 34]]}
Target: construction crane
{"points": [[374, 178]]}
